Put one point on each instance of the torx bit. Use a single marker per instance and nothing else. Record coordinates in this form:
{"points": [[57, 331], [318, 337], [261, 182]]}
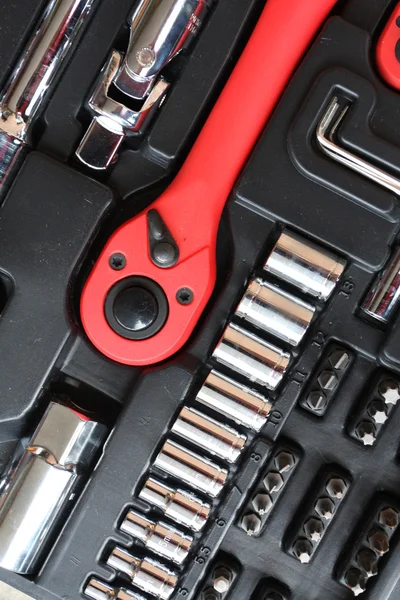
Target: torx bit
{"points": [[378, 540], [251, 524], [325, 508], [284, 461], [366, 431], [303, 550], [378, 411], [262, 503], [390, 392], [368, 562], [314, 529], [222, 579], [336, 487], [356, 581]]}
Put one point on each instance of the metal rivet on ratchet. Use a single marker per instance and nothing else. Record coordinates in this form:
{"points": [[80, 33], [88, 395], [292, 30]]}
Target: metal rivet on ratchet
{"points": [[327, 141], [182, 263], [27, 89]]}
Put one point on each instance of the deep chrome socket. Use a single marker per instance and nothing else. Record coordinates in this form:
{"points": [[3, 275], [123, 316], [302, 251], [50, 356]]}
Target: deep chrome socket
{"points": [[275, 311], [147, 574], [97, 590], [159, 537], [192, 469], [208, 434], [385, 293], [305, 265], [252, 356], [178, 505], [234, 400]]}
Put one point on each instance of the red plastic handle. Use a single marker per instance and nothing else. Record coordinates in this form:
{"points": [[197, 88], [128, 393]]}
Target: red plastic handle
{"points": [[388, 50], [192, 205]]}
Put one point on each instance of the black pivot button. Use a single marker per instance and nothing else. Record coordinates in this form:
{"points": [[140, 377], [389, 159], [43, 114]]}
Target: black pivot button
{"points": [[164, 252], [136, 308]]}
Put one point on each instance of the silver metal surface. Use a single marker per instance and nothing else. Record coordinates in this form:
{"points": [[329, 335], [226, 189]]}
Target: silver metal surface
{"points": [[385, 293], [179, 506], [326, 131], [97, 590], [283, 315], [159, 537], [26, 90], [252, 356], [159, 31], [305, 265], [147, 574], [208, 434], [113, 120], [192, 469], [40, 486], [234, 400]]}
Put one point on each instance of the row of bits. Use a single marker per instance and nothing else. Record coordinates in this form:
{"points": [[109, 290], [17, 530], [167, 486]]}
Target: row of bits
{"points": [[319, 516], [279, 314], [330, 374], [376, 409], [374, 543], [267, 493]]}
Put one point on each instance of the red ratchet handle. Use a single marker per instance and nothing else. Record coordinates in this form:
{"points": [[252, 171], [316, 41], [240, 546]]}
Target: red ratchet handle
{"points": [[192, 205]]}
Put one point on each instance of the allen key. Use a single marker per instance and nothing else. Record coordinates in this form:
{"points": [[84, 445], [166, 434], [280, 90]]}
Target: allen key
{"points": [[326, 138]]}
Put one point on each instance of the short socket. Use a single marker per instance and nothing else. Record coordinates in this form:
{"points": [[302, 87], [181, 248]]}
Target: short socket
{"points": [[276, 312], [252, 356]]}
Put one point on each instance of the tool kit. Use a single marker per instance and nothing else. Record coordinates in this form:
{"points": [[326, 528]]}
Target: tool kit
{"points": [[200, 299]]}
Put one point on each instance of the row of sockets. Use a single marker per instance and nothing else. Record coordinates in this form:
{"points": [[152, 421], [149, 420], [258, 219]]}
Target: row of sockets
{"points": [[283, 315]]}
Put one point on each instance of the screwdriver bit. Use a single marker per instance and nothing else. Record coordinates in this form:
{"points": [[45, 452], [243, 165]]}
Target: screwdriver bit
{"points": [[314, 529], [378, 411], [389, 390], [303, 550], [336, 487], [262, 503], [273, 482], [210, 594], [325, 508], [222, 579], [356, 581], [389, 517], [368, 562], [378, 540], [316, 401], [366, 431], [339, 359], [327, 380], [251, 524], [284, 461]]}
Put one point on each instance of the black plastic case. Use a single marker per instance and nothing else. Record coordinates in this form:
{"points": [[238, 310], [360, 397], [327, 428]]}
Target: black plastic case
{"points": [[53, 224]]}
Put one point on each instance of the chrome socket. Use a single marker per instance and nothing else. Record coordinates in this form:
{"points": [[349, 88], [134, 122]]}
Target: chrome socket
{"points": [[385, 293], [236, 401], [305, 265], [179, 506], [159, 537], [252, 356], [97, 590], [191, 468], [147, 574], [221, 440], [276, 312]]}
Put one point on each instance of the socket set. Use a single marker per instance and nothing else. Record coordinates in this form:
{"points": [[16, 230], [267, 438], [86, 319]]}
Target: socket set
{"points": [[199, 299], [266, 495], [364, 561], [329, 376], [321, 514], [377, 408]]}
